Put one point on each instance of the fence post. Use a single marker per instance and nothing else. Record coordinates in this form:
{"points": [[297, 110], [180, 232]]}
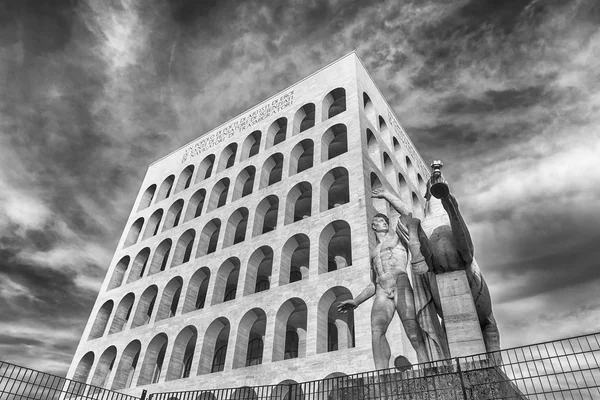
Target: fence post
{"points": [[144, 393], [460, 376]]}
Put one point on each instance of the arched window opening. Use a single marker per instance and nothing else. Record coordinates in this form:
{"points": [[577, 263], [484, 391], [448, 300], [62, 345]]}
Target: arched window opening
{"points": [[335, 331], [173, 216], [244, 183], [276, 132], [209, 238], [161, 257], [195, 296], [403, 189], [134, 232], [373, 149], [334, 142], [101, 320], [335, 247], [145, 307], [251, 145], [301, 157], [422, 185], [304, 118], [118, 273], [383, 129], [369, 109], [166, 188], [258, 270], [298, 203], [127, 366], [379, 204], [194, 208], [288, 390], [397, 151], [183, 249], [218, 197], [235, 231], [153, 224], [295, 258], [265, 217], [226, 281], [104, 367], [227, 157], [272, 170], [182, 354], [214, 347], [82, 372], [417, 208], [410, 169], [205, 168], [335, 189], [138, 268], [185, 179], [147, 197], [170, 299], [122, 314], [290, 330], [153, 361], [249, 340], [334, 103], [388, 168]]}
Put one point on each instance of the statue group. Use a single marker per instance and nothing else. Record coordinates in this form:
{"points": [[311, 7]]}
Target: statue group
{"points": [[403, 245]]}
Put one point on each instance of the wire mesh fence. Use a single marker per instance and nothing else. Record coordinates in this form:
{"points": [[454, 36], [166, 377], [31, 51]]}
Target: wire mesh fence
{"points": [[20, 383]]}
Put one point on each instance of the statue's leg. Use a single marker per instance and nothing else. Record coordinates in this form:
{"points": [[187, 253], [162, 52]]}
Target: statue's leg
{"points": [[405, 306], [460, 232], [487, 322], [381, 316]]}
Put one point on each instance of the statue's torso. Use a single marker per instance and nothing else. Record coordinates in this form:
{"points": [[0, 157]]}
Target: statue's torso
{"points": [[389, 261]]}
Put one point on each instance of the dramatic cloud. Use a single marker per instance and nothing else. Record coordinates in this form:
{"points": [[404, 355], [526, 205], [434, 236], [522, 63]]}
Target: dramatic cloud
{"points": [[505, 92]]}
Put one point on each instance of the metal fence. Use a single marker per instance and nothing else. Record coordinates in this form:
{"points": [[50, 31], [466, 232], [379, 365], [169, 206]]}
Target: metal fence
{"points": [[20, 383], [562, 369]]}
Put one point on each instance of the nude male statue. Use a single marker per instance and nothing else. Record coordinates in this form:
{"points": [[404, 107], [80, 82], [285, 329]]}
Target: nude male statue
{"points": [[390, 286]]}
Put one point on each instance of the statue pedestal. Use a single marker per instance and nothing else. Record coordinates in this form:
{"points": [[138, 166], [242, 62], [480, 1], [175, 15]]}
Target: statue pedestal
{"points": [[460, 316]]}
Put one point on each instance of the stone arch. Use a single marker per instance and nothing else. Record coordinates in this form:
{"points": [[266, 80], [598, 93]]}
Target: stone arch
{"points": [[288, 389], [82, 372], [244, 393], [205, 168], [101, 320], [218, 196], [182, 353], [295, 259], [398, 154], [184, 248], [244, 183], [195, 296], [127, 366], [403, 189], [170, 299], [227, 158], [134, 232], [301, 157], [154, 360], [138, 267], [291, 317], [383, 129], [410, 170], [209, 238], [226, 281], [252, 326], [272, 170], [195, 205], [341, 337], [185, 179], [118, 273], [276, 132], [104, 367], [258, 270], [235, 230], [369, 109], [265, 217], [333, 386], [145, 307], [335, 189], [298, 203], [216, 338], [173, 217], [122, 314], [205, 395], [334, 103], [373, 149], [417, 209], [153, 224], [335, 247], [422, 185], [161, 257], [379, 204], [166, 188], [147, 197], [304, 118], [251, 145], [388, 168], [334, 142]]}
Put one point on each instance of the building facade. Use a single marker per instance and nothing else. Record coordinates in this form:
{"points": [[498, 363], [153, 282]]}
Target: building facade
{"points": [[241, 244]]}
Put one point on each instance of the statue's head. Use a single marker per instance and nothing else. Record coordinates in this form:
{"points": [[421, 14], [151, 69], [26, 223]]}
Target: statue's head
{"points": [[380, 223]]}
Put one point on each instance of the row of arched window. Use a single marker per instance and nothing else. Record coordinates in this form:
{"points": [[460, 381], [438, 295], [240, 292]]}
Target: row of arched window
{"points": [[333, 144], [186, 356]]}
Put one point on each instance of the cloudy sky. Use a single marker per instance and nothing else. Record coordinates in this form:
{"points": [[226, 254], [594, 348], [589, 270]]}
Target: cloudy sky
{"points": [[505, 92]]}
